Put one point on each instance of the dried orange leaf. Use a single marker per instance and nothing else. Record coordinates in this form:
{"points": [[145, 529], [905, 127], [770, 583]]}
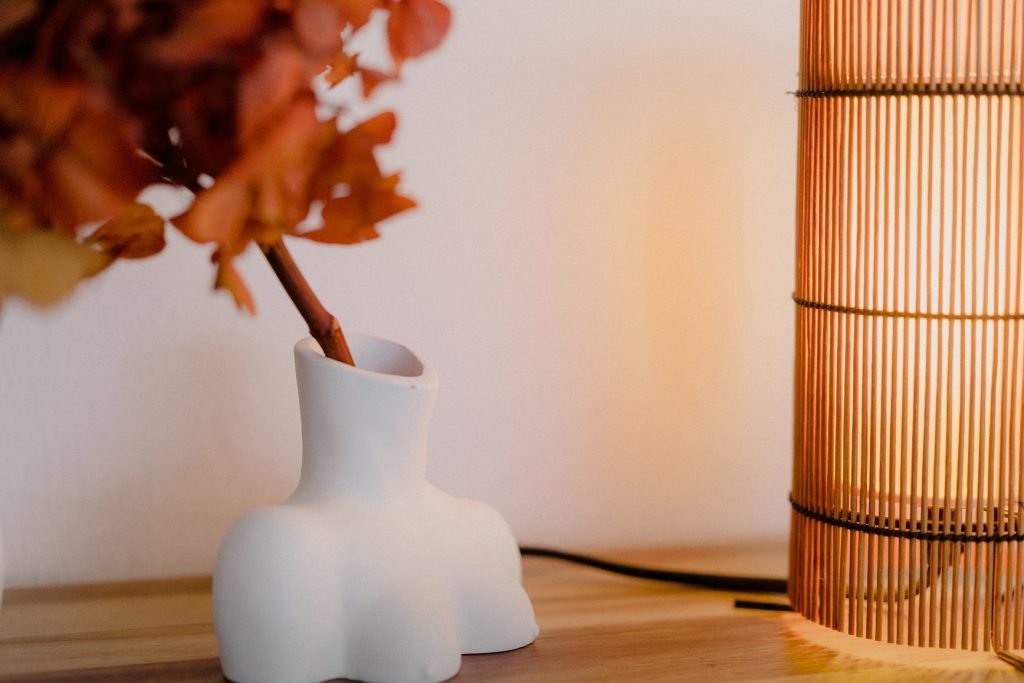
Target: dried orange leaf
{"points": [[38, 106], [13, 13], [344, 223], [136, 232], [349, 159], [71, 158], [353, 218], [204, 90], [357, 12], [416, 27], [340, 67], [267, 89], [372, 132], [265, 192], [218, 213], [317, 25], [372, 79], [94, 174], [205, 28], [229, 279]]}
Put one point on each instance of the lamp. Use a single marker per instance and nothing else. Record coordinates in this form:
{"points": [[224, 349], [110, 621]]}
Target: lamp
{"points": [[908, 480]]}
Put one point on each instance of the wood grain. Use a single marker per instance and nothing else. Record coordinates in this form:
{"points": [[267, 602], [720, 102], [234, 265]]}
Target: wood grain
{"points": [[594, 627]]}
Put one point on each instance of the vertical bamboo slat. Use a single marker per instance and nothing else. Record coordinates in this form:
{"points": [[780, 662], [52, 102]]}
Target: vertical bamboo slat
{"points": [[908, 481]]}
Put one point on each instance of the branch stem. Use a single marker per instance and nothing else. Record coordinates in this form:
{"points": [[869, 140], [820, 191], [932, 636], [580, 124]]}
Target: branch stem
{"points": [[322, 325]]}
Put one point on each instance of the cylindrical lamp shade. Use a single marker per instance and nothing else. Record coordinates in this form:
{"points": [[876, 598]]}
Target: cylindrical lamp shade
{"points": [[908, 480]]}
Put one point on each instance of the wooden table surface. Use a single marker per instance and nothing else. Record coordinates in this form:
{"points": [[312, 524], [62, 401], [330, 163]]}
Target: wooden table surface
{"points": [[594, 627]]}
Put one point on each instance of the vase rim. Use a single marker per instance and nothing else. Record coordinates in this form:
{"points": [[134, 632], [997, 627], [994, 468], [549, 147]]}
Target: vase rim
{"points": [[418, 373]]}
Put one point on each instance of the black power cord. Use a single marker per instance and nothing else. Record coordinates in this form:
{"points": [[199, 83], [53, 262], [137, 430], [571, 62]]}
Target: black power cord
{"points": [[743, 584]]}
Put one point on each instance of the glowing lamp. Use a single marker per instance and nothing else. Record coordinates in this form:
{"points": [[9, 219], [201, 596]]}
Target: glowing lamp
{"points": [[908, 480]]}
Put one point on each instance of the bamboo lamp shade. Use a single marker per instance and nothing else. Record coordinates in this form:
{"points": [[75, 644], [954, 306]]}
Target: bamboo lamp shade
{"points": [[908, 477]]}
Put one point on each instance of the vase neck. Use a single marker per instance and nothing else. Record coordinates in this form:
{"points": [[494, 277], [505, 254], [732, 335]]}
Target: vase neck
{"points": [[363, 432]]}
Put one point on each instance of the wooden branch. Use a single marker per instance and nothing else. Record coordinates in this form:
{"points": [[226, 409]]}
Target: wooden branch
{"points": [[322, 325]]}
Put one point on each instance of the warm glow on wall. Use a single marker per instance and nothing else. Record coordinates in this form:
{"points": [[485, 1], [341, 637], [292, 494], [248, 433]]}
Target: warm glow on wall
{"points": [[908, 486]]}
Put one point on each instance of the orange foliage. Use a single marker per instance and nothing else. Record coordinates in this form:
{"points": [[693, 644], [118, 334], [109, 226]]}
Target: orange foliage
{"points": [[416, 27], [98, 100]]}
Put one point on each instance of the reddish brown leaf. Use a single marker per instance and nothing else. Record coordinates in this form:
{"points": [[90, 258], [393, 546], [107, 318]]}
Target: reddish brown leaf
{"points": [[266, 191], [269, 88], [94, 174], [317, 25], [205, 114], [38, 106], [281, 166], [136, 232], [372, 132], [18, 180], [209, 26], [229, 279], [416, 27], [73, 158], [353, 217], [214, 87], [372, 79], [220, 212], [340, 67], [67, 191], [357, 12], [128, 14], [13, 13], [351, 157], [343, 223]]}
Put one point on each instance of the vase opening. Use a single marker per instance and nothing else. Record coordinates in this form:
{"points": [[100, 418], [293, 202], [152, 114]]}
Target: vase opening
{"points": [[378, 356], [386, 357]]}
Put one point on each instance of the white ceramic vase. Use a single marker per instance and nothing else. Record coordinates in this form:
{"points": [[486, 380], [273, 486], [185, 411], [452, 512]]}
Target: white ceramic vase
{"points": [[367, 571]]}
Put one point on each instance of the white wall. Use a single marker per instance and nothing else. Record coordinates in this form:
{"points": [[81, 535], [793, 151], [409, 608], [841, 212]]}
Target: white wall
{"points": [[600, 273]]}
